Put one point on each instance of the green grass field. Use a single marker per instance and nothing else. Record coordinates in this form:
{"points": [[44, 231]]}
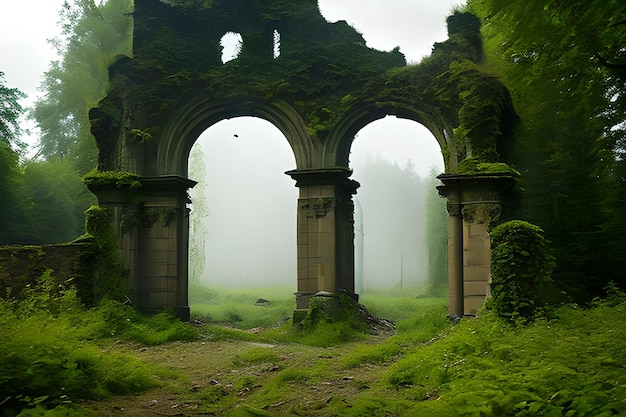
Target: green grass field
{"points": [[61, 359]]}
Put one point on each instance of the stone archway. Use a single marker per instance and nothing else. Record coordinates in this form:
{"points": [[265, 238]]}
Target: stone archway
{"points": [[322, 88]]}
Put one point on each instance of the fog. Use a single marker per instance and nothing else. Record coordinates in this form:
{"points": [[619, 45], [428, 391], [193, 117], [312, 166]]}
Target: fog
{"points": [[243, 219]]}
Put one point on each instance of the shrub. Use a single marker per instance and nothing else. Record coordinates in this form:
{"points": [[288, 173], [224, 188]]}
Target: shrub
{"points": [[521, 265]]}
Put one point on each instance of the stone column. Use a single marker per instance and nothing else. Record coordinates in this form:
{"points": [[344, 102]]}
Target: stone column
{"points": [[474, 205], [163, 245], [325, 232], [455, 250], [152, 226], [121, 201], [455, 260]]}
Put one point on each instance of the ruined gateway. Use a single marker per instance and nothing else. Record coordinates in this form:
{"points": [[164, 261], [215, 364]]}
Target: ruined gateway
{"points": [[323, 87]]}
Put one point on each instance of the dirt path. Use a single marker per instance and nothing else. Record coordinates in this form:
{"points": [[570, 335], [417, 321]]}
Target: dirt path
{"points": [[237, 378]]}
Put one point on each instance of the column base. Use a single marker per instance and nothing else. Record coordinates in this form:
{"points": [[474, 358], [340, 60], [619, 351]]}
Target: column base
{"points": [[183, 313]]}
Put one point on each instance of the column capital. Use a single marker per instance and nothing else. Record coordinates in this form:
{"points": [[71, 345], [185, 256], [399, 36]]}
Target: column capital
{"points": [[338, 176], [475, 197], [475, 183]]}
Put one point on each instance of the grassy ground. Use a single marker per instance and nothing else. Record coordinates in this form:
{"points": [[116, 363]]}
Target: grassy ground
{"points": [[243, 359]]}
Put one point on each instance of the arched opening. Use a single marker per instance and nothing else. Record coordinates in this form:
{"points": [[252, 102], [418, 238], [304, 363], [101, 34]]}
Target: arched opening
{"points": [[243, 215], [400, 221], [231, 44]]}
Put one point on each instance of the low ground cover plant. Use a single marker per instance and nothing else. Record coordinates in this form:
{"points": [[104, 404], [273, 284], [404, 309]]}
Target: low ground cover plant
{"points": [[53, 349], [570, 363]]}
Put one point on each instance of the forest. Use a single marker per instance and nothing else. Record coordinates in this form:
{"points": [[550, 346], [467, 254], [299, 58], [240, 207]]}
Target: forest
{"points": [[549, 342]]}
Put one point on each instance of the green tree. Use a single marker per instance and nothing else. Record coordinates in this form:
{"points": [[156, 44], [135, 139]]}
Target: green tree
{"points": [[93, 36], [57, 200], [10, 173], [560, 61], [10, 112], [436, 238]]}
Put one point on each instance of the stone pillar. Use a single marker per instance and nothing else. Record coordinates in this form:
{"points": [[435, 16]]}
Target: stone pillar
{"points": [[325, 232], [455, 255], [152, 226], [163, 245], [474, 205]]}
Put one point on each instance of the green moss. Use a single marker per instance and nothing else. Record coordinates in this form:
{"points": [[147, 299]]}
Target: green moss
{"points": [[140, 135], [521, 268], [473, 166], [121, 179], [99, 271]]}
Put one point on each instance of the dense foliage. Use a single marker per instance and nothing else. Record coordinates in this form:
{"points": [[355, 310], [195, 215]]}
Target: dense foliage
{"points": [[521, 268], [564, 64], [10, 112], [484, 367], [92, 37], [42, 201]]}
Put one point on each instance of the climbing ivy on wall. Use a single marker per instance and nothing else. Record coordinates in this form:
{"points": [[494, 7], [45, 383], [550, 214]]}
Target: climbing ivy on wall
{"points": [[521, 268], [99, 271]]}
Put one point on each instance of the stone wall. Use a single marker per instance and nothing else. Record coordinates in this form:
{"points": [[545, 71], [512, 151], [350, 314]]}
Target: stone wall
{"points": [[23, 265]]}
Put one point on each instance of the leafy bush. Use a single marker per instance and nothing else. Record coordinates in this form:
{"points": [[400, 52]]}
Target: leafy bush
{"points": [[521, 266], [44, 360]]}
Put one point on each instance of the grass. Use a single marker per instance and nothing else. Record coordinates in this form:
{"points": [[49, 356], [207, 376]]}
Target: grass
{"points": [[569, 364], [239, 308]]}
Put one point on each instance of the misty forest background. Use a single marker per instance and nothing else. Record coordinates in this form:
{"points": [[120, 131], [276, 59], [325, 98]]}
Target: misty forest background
{"points": [[563, 63]]}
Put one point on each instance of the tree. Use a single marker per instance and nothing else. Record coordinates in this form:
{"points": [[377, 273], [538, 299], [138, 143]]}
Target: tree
{"points": [[92, 37], [563, 63], [10, 112], [436, 238], [200, 211], [57, 199], [10, 146]]}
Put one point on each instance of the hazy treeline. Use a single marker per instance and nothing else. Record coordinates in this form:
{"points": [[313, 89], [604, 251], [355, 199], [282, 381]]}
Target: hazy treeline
{"points": [[402, 230]]}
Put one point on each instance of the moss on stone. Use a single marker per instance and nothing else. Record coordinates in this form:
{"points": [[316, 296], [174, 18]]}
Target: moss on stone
{"points": [[473, 166], [121, 179]]}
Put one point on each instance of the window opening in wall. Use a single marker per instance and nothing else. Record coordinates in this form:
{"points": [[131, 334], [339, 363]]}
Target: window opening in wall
{"points": [[231, 44], [276, 52]]}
